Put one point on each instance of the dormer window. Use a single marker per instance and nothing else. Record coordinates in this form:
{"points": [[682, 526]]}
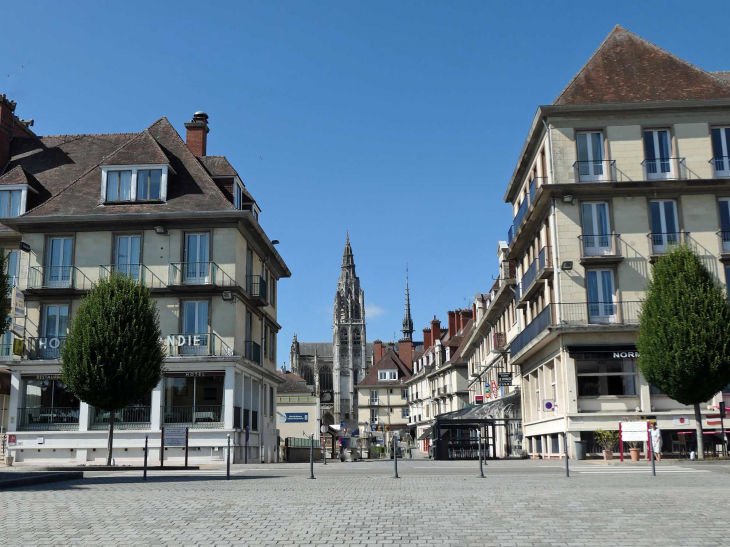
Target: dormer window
{"points": [[238, 195], [387, 375], [134, 184], [10, 203]]}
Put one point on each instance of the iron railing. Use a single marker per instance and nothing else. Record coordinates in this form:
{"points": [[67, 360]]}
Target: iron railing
{"points": [[520, 215], [595, 171], [663, 168], [599, 245], [510, 234], [662, 243], [199, 273], [252, 351], [600, 313], [203, 343], [131, 417], [138, 272], [194, 417], [58, 277], [43, 418], [724, 241], [543, 260], [47, 347], [542, 321], [256, 287], [721, 165]]}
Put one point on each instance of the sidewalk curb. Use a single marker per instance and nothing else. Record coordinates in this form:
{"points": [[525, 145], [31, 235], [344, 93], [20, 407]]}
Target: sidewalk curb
{"points": [[40, 478]]}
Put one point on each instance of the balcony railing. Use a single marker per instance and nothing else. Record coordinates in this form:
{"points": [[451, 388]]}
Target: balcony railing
{"points": [[194, 417], [595, 171], [138, 272], [724, 241], [542, 321], [600, 313], [520, 215], [662, 243], [252, 351], [199, 273], [664, 168], [197, 344], [543, 260], [599, 245], [510, 234], [499, 340], [47, 347], [721, 166], [42, 418], [58, 277], [257, 288], [131, 417]]}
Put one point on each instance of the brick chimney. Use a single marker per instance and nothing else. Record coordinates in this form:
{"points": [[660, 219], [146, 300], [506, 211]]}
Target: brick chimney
{"points": [[452, 323], [6, 130], [435, 329], [196, 135], [378, 350], [405, 352], [426, 339], [465, 316]]}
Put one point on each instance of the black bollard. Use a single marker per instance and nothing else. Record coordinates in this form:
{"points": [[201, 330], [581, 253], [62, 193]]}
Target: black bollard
{"points": [[481, 463], [395, 458], [567, 465], [146, 440], [228, 460], [311, 456]]}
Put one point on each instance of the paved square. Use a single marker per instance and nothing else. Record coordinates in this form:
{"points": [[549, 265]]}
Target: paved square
{"points": [[434, 503]]}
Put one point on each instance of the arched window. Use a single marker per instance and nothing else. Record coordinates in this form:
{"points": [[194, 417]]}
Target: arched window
{"points": [[325, 379], [308, 375], [356, 337], [343, 337]]}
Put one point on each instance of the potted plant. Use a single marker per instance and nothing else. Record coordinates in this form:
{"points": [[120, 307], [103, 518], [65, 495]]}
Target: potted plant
{"points": [[635, 449], [607, 440]]}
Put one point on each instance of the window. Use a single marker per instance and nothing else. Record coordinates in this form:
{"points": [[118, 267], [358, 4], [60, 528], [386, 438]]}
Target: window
{"points": [[149, 182], [725, 224], [47, 401], [197, 256], [721, 151], [10, 203], [266, 340], [13, 267], [387, 375], [119, 186], [272, 290], [272, 344], [140, 183], [6, 349], [555, 443], [193, 399], [597, 378], [59, 253], [657, 152], [601, 305], [664, 227], [596, 229], [373, 396], [195, 321], [55, 327], [659, 393], [127, 255], [373, 415], [404, 394], [590, 157], [271, 401], [404, 412]]}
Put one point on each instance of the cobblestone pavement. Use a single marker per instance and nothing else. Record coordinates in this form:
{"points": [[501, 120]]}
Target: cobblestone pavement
{"points": [[514, 506]]}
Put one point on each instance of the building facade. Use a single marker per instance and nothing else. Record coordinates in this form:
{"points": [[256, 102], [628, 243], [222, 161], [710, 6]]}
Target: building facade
{"points": [[159, 209]]}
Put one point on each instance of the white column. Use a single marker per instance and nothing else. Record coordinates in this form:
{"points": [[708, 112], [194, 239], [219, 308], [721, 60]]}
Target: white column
{"points": [[84, 417], [13, 404], [228, 387], [156, 410]]}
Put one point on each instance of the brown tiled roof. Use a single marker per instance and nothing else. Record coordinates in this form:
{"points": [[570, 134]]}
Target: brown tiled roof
{"points": [[723, 74], [16, 175], [628, 69], [140, 150], [218, 166], [388, 361], [292, 384]]}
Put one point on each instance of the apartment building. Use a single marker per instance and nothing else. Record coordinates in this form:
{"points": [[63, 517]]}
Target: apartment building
{"points": [[631, 158], [159, 209]]}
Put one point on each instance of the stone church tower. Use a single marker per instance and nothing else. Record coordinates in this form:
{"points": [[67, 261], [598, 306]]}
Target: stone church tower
{"points": [[348, 340]]}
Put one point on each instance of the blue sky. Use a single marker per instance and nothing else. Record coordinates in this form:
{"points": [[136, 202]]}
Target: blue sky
{"points": [[400, 121]]}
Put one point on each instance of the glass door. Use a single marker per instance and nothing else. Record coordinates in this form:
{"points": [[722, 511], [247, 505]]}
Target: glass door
{"points": [[725, 224], [721, 151], [127, 259], [657, 150], [13, 268], [590, 157], [601, 304], [664, 229], [596, 229], [195, 327], [55, 325], [58, 262], [197, 258]]}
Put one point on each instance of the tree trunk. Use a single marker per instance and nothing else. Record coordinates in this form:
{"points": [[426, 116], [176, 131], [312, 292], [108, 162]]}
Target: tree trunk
{"points": [[700, 437], [110, 440]]}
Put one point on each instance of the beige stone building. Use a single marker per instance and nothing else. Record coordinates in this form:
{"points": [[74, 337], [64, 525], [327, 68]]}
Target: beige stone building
{"points": [[181, 222], [631, 158]]}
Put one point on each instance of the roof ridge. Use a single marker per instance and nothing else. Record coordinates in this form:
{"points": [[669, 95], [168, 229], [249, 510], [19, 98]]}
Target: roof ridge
{"points": [[76, 135]]}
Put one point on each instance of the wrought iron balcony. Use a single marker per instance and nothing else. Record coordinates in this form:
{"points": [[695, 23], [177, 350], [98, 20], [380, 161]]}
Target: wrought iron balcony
{"points": [[131, 417], [43, 418], [600, 246], [595, 171], [58, 277], [541, 266], [138, 272], [203, 343], [46, 347], [724, 241], [664, 168], [199, 273], [662, 243], [252, 352], [721, 166], [521, 212], [194, 417], [256, 287], [510, 234]]}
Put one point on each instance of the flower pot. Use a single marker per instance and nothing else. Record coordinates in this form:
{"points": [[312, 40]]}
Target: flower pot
{"points": [[608, 454], [635, 452]]}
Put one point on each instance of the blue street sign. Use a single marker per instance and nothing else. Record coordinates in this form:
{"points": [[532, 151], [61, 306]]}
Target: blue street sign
{"points": [[295, 417]]}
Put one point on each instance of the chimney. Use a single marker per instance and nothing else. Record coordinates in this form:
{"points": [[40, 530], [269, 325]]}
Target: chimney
{"points": [[435, 329], [6, 130], [426, 339], [196, 136], [474, 311], [378, 350], [452, 323], [405, 352], [465, 316]]}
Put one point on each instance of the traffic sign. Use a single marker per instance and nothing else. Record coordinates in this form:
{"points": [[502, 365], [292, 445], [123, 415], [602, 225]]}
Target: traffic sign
{"points": [[548, 405], [504, 378], [323, 429]]}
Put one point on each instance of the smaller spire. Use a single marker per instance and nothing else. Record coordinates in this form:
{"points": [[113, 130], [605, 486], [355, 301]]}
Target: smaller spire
{"points": [[348, 260], [407, 320]]}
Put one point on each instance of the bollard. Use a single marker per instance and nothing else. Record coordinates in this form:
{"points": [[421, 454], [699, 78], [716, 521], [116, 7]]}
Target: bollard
{"points": [[481, 466], [146, 440], [228, 458], [567, 465], [311, 456], [395, 458]]}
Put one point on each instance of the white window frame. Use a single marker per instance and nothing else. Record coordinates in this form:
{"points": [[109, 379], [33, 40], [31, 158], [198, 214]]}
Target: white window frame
{"points": [[593, 243], [373, 396], [14, 277], [658, 174], [23, 194], [593, 174], [604, 303], [725, 160], [166, 169]]}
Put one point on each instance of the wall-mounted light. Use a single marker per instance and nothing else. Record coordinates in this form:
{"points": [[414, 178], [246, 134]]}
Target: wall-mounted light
{"points": [[567, 266], [568, 199], [274, 241], [161, 230], [23, 246]]}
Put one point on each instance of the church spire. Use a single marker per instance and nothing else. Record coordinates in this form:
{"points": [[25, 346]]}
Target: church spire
{"points": [[407, 320], [348, 260]]}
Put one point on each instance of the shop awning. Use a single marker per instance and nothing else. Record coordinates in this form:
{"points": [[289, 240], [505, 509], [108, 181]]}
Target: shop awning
{"points": [[428, 434]]}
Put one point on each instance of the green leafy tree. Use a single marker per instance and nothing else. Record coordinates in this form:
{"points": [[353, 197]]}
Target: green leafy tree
{"points": [[113, 355], [5, 291], [684, 332]]}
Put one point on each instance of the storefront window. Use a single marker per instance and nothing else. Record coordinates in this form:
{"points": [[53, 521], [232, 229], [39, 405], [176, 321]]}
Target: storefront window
{"points": [[47, 403], [598, 378], [193, 398]]}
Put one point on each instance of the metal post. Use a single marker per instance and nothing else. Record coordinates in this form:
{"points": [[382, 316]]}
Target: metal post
{"points": [[395, 459], [187, 447], [722, 429], [162, 446], [311, 456], [565, 449], [481, 466], [146, 440], [228, 460], [651, 448]]}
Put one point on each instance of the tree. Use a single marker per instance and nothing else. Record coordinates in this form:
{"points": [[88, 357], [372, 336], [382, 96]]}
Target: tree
{"points": [[684, 332], [5, 293], [113, 355]]}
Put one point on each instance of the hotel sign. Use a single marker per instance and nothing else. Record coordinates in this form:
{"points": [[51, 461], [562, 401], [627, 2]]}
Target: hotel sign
{"points": [[185, 340]]}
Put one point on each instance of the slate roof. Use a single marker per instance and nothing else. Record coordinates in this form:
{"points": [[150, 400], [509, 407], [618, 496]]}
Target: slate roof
{"points": [[292, 383], [389, 361], [628, 69], [218, 166]]}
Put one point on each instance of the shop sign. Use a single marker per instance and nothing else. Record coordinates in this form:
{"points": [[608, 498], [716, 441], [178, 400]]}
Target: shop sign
{"points": [[504, 378], [18, 303], [194, 374], [479, 399], [633, 431], [681, 420], [41, 376], [53, 343], [175, 436], [183, 340], [18, 346], [297, 417], [494, 389], [12, 440]]}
